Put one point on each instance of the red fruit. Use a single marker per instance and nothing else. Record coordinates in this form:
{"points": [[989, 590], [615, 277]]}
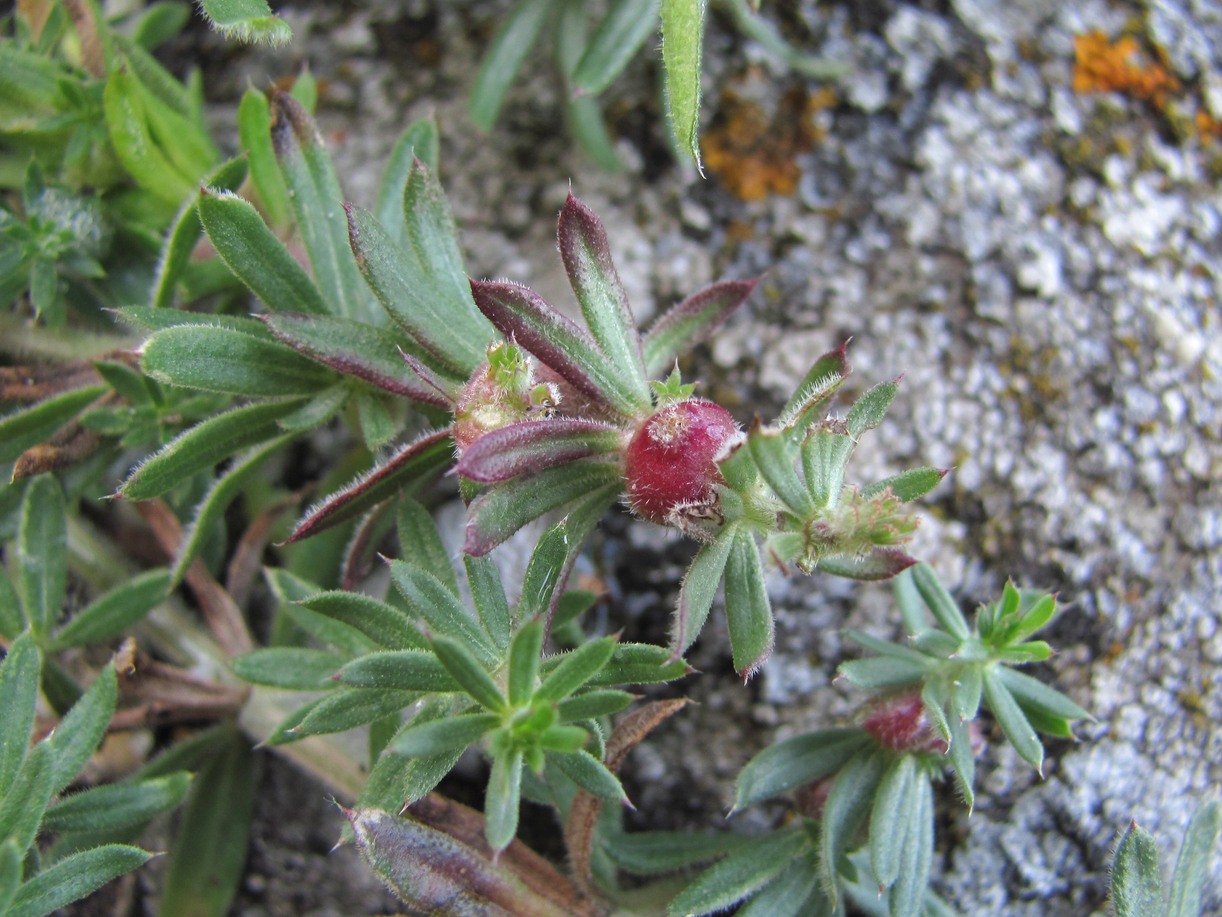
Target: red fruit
{"points": [[898, 722], [671, 462]]}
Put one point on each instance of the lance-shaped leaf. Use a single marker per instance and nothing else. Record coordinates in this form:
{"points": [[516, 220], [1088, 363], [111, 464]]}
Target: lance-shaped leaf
{"points": [[499, 512], [793, 893], [74, 877], [748, 611], [27, 427], [19, 676], [384, 624], [502, 799], [892, 818], [488, 596], [1012, 720], [682, 41], [293, 668], [776, 457], [133, 141], [1192, 867], [544, 573], [699, 589], [418, 142], [412, 466], [1036, 697], [354, 349], [254, 133], [1137, 881], [420, 543], [438, 861], [633, 664], [789, 764], [940, 603], [908, 894], [740, 874], [256, 256], [880, 563], [522, 314], [816, 390], [691, 322], [824, 455], [42, 553], [203, 446], [869, 410], [591, 272], [907, 485], [848, 803], [246, 21], [114, 612], [437, 736], [342, 709], [422, 296], [461, 663], [219, 360], [618, 37], [317, 200], [534, 445], [576, 669], [117, 805], [147, 318], [504, 57], [440, 609], [404, 670]]}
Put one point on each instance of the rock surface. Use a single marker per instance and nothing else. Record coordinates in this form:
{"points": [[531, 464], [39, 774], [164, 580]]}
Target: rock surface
{"points": [[1042, 264]]}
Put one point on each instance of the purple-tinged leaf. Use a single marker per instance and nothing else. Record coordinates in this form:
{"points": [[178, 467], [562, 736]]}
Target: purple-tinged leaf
{"points": [[445, 389], [691, 322], [520, 313], [500, 511], [591, 271], [354, 349], [409, 468], [534, 445], [817, 388], [880, 563]]}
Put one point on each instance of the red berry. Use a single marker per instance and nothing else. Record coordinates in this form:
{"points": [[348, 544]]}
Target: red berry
{"points": [[898, 722], [671, 461]]}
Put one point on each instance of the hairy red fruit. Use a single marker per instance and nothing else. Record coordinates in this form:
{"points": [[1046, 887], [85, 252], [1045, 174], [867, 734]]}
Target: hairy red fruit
{"points": [[899, 722], [671, 461]]}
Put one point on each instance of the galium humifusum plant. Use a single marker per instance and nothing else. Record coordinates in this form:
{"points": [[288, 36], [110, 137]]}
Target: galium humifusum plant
{"points": [[864, 792]]}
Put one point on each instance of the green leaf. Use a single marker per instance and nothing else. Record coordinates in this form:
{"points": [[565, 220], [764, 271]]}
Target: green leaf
{"points": [[26, 797], [406, 470], [12, 618], [220, 360], [883, 672], [1012, 720], [117, 806], [699, 589], [256, 256], [748, 611], [501, 802], [418, 141], [869, 410], [1192, 867], [418, 536], [682, 40], [203, 446], [74, 877], [484, 577], [130, 134], [909, 892], [254, 133], [429, 598], [292, 667], [892, 818], [317, 200], [1137, 881], [346, 708], [907, 485], [646, 853], [788, 894], [576, 669], [42, 553], [384, 625], [944, 608], [19, 675], [1033, 694], [10, 874], [632, 664], [848, 803], [396, 779], [691, 322], [776, 457], [248, 21], [524, 662], [82, 729], [437, 737], [593, 705], [468, 672], [740, 874], [962, 759], [618, 37], [824, 454], [402, 670], [112, 613], [793, 762], [547, 566], [504, 58], [209, 852], [604, 303], [503, 509], [590, 774], [30, 426]]}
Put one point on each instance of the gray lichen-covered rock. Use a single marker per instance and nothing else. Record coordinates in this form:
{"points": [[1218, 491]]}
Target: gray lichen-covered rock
{"points": [[1043, 266]]}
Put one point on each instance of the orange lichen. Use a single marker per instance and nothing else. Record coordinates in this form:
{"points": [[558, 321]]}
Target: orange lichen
{"points": [[753, 150], [1103, 65], [1208, 127]]}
